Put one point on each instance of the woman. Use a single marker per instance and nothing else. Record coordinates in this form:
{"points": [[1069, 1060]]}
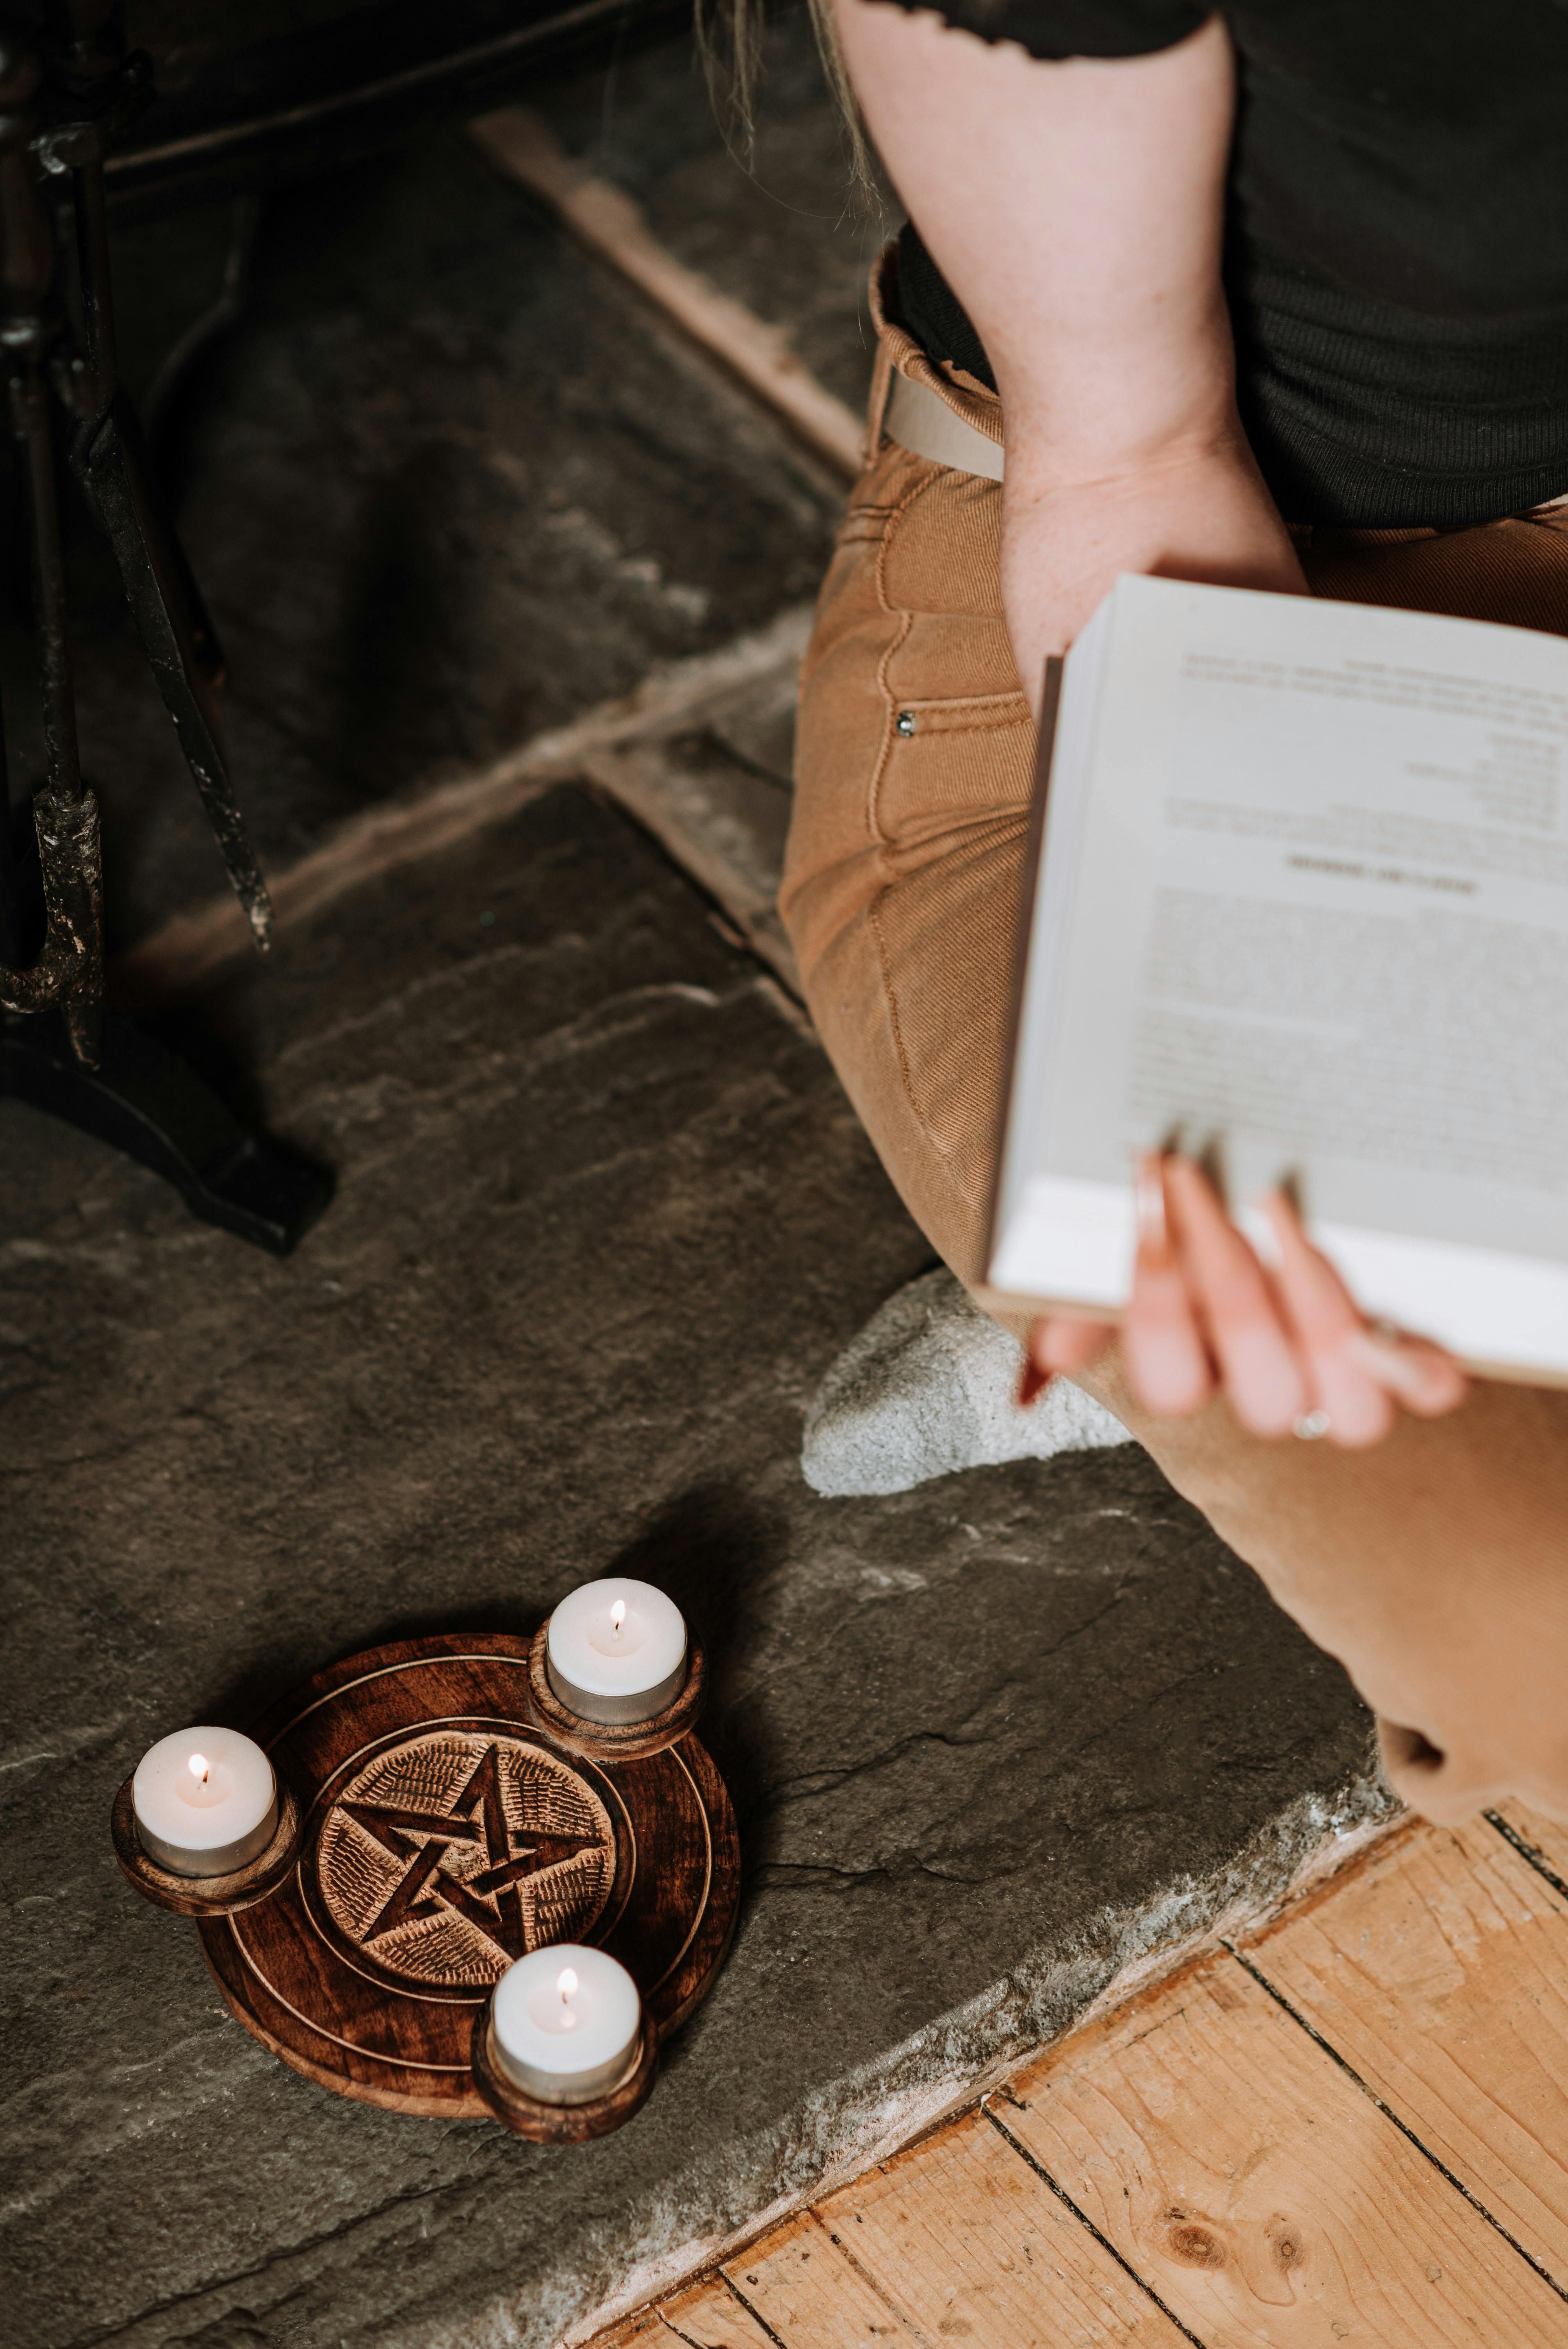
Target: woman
{"points": [[1279, 299]]}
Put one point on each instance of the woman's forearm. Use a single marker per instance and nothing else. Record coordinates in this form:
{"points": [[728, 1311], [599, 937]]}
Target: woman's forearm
{"points": [[1077, 211]]}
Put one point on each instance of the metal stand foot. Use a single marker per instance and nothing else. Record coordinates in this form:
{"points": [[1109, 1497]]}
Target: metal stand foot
{"points": [[141, 1098]]}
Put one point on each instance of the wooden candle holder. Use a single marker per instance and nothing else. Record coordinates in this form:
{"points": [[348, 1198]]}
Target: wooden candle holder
{"points": [[447, 1832], [549, 2124], [614, 1740], [206, 1896]]}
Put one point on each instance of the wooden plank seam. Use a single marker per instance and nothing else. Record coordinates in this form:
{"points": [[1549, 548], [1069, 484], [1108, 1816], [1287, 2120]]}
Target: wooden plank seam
{"points": [[816, 2221], [1431, 1978], [1044, 2175], [1476, 2204], [877, 2288], [1532, 1854], [755, 2313]]}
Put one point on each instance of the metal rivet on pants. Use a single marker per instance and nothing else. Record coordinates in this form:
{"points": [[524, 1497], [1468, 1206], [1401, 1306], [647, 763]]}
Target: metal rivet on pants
{"points": [[905, 722]]}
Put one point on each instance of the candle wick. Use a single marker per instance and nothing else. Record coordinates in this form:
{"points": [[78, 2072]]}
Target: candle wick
{"points": [[617, 1616]]}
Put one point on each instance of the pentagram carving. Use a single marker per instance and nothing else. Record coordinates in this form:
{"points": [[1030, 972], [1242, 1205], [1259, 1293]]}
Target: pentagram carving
{"points": [[451, 1854], [441, 1814]]}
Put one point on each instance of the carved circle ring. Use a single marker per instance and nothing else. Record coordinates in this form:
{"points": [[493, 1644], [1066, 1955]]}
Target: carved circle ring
{"points": [[453, 1852]]}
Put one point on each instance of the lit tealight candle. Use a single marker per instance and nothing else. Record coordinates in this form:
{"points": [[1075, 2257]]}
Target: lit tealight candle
{"points": [[617, 1651], [206, 1801], [565, 2023]]}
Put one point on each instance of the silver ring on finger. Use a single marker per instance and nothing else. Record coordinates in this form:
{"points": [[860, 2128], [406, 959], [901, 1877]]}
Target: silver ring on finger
{"points": [[1312, 1425]]}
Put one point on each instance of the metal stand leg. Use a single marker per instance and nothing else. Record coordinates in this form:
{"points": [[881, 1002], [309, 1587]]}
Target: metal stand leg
{"points": [[58, 1049]]}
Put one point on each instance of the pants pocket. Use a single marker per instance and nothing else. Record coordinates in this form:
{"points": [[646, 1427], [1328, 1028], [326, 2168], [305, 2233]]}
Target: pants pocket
{"points": [[951, 760]]}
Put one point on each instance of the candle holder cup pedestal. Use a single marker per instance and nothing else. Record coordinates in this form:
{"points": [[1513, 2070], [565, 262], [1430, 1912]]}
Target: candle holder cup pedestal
{"points": [[433, 1828], [206, 1896], [614, 1740], [552, 2123]]}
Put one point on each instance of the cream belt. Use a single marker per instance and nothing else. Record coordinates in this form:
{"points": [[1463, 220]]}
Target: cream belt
{"points": [[925, 425]]}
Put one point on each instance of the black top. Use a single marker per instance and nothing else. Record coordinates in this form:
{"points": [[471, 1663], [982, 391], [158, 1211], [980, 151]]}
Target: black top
{"points": [[1397, 248]]}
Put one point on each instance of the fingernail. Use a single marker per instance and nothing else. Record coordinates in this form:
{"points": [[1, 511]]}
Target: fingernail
{"points": [[1153, 1233], [1414, 1376], [1281, 1210], [1033, 1382]]}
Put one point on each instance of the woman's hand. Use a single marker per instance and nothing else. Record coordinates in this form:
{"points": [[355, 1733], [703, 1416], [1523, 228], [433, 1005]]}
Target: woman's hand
{"points": [[1286, 1344], [1076, 208], [1194, 508]]}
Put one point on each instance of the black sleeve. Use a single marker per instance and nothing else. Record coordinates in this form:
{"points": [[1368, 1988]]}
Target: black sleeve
{"points": [[1076, 28]]}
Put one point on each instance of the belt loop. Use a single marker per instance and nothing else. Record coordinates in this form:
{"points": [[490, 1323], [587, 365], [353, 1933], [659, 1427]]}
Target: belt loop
{"points": [[885, 270], [876, 407]]}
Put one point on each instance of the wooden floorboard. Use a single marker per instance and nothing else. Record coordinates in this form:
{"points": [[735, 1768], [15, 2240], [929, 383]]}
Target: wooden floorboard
{"points": [[1261, 2193], [805, 2288], [963, 2239], [711, 2317], [1440, 1975], [647, 2331], [1543, 1841], [1351, 2127]]}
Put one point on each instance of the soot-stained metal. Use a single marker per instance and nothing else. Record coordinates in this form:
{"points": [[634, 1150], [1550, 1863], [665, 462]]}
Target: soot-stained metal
{"points": [[65, 98]]}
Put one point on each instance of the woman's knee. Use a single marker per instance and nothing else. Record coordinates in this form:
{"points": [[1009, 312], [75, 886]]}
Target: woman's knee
{"points": [[1434, 1566]]}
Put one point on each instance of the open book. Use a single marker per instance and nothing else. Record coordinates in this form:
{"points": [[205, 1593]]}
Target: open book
{"points": [[1301, 905]]}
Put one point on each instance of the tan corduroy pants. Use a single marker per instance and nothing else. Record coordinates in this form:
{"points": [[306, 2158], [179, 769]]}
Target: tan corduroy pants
{"points": [[914, 769]]}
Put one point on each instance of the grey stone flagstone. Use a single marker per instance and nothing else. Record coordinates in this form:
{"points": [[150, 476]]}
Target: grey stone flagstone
{"points": [[928, 1389], [603, 1221]]}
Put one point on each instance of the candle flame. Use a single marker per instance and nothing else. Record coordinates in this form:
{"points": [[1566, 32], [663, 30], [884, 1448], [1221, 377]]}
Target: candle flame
{"points": [[199, 1767], [566, 1983], [617, 1614]]}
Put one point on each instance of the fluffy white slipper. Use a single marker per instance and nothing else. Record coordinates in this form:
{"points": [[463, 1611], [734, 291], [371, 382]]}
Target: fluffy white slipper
{"points": [[928, 1388]]}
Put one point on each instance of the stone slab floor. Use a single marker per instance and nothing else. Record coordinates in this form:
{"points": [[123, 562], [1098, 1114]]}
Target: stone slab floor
{"points": [[602, 1220]]}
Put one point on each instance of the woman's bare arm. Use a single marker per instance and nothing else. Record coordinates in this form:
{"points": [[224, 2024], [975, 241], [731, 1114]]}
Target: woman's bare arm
{"points": [[1076, 212]]}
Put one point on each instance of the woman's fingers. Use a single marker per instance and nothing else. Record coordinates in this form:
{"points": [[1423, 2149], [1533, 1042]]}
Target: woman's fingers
{"points": [[1068, 1342], [1167, 1362], [1162, 1346], [1420, 1375], [1358, 1406], [1265, 1382], [1204, 1313], [1063, 1341], [1362, 1376]]}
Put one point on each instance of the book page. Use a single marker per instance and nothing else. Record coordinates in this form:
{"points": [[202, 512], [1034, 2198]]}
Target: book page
{"points": [[1315, 915]]}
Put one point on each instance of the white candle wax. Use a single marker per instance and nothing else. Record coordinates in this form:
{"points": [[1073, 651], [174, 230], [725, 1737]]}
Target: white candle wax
{"points": [[565, 2022], [617, 1651], [206, 1801]]}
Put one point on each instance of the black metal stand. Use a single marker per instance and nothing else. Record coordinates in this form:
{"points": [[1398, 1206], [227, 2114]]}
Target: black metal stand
{"points": [[141, 1098], [62, 100]]}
